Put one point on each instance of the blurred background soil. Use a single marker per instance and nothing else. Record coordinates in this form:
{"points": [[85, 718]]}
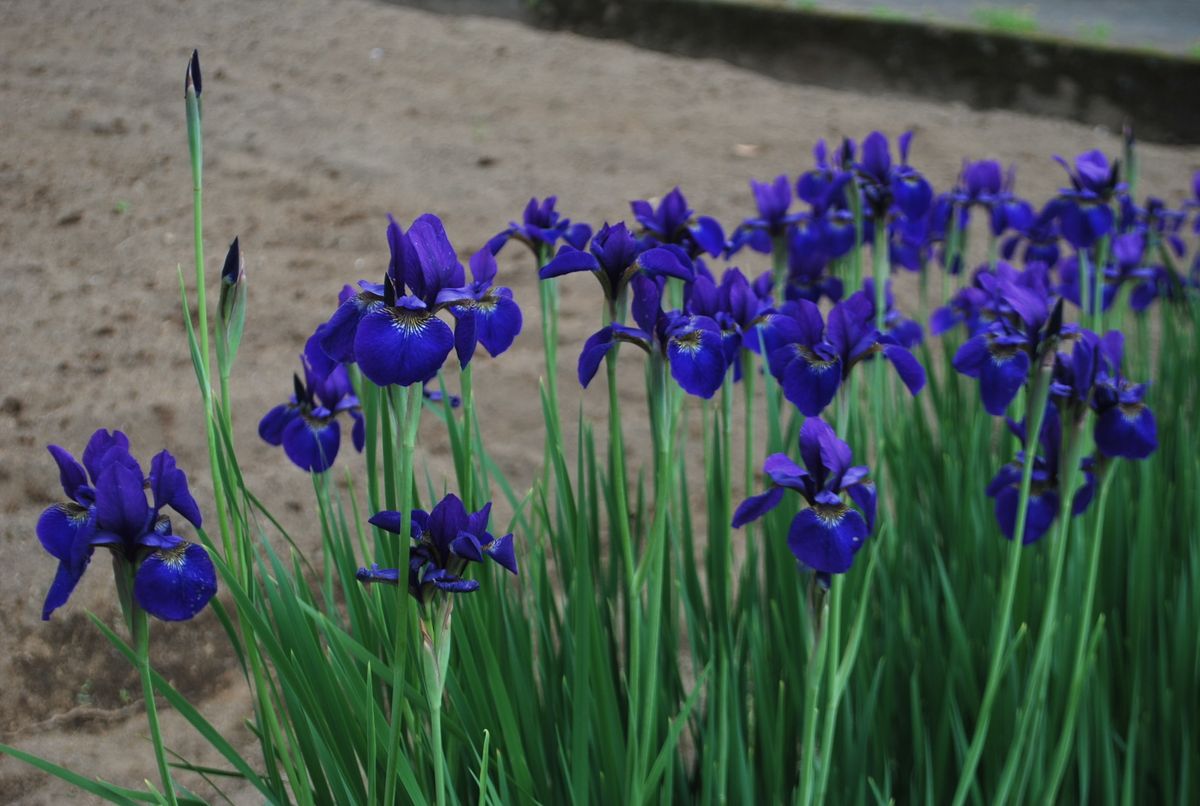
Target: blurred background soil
{"points": [[320, 118]]}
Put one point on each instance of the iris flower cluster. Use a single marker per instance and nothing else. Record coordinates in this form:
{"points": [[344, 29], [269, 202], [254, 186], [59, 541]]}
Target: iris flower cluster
{"points": [[1086, 380], [827, 534], [106, 507], [444, 541]]}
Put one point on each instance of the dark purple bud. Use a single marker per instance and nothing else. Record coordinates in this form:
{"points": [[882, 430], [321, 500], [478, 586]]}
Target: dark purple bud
{"points": [[191, 79]]}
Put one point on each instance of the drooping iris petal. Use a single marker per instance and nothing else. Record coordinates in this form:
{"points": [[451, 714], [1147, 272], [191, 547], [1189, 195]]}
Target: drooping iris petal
{"points": [[273, 423], [697, 357], [503, 552], [467, 545], [65, 580], [756, 506], [909, 368], [1127, 430], [388, 520], [809, 380], [175, 584], [312, 443], [567, 261], [58, 528], [826, 537], [465, 333], [337, 336], [358, 434], [498, 321], [865, 496], [1038, 518], [1000, 378], [664, 262], [401, 346], [594, 350]]}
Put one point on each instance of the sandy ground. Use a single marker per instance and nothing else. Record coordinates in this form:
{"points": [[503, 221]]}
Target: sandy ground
{"points": [[321, 117]]}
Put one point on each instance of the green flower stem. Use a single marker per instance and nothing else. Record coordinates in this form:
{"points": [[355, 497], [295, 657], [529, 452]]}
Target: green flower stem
{"points": [[408, 404], [1035, 416], [468, 406], [196, 152], [141, 640], [812, 701], [1035, 693], [616, 458], [1062, 751], [435, 641]]}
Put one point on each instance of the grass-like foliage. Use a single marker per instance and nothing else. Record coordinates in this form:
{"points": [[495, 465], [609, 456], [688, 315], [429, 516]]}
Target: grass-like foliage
{"points": [[907, 600]]}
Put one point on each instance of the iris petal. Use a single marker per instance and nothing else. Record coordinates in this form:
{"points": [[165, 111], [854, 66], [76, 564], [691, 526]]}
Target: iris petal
{"points": [[121, 505], [65, 580], [502, 551], [175, 584], [401, 346], [271, 426], [1127, 431], [70, 473], [1000, 378], [809, 383], [170, 488], [756, 506], [697, 360], [498, 322], [312, 444], [909, 368], [58, 527], [828, 541]]}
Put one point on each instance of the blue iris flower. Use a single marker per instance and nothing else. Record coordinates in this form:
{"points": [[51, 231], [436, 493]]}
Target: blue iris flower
{"points": [[615, 257], [1026, 320], [1084, 212], [172, 579], [1044, 491], [444, 541], [829, 532], [736, 305], [1125, 425], [484, 314], [673, 222], [885, 185], [541, 227], [307, 425], [392, 330], [985, 184], [773, 199], [810, 360]]}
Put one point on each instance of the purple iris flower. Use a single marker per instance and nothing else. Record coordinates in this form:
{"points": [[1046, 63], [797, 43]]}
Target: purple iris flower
{"points": [[736, 305], [1044, 491], [885, 185], [673, 222], [1084, 214], [1125, 425], [172, 579], [483, 314], [307, 425], [392, 331], [812, 244], [1040, 237], [773, 199], [614, 257], [1027, 320], [444, 541], [829, 532], [810, 360], [1069, 284], [985, 184], [541, 227]]}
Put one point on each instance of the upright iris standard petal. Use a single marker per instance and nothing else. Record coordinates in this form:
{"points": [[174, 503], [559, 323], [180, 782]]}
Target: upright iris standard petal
{"points": [[70, 473], [402, 345], [826, 537], [175, 584], [121, 507], [169, 486], [312, 442]]}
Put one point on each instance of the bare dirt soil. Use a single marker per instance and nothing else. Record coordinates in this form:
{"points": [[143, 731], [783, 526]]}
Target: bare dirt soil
{"points": [[321, 117]]}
